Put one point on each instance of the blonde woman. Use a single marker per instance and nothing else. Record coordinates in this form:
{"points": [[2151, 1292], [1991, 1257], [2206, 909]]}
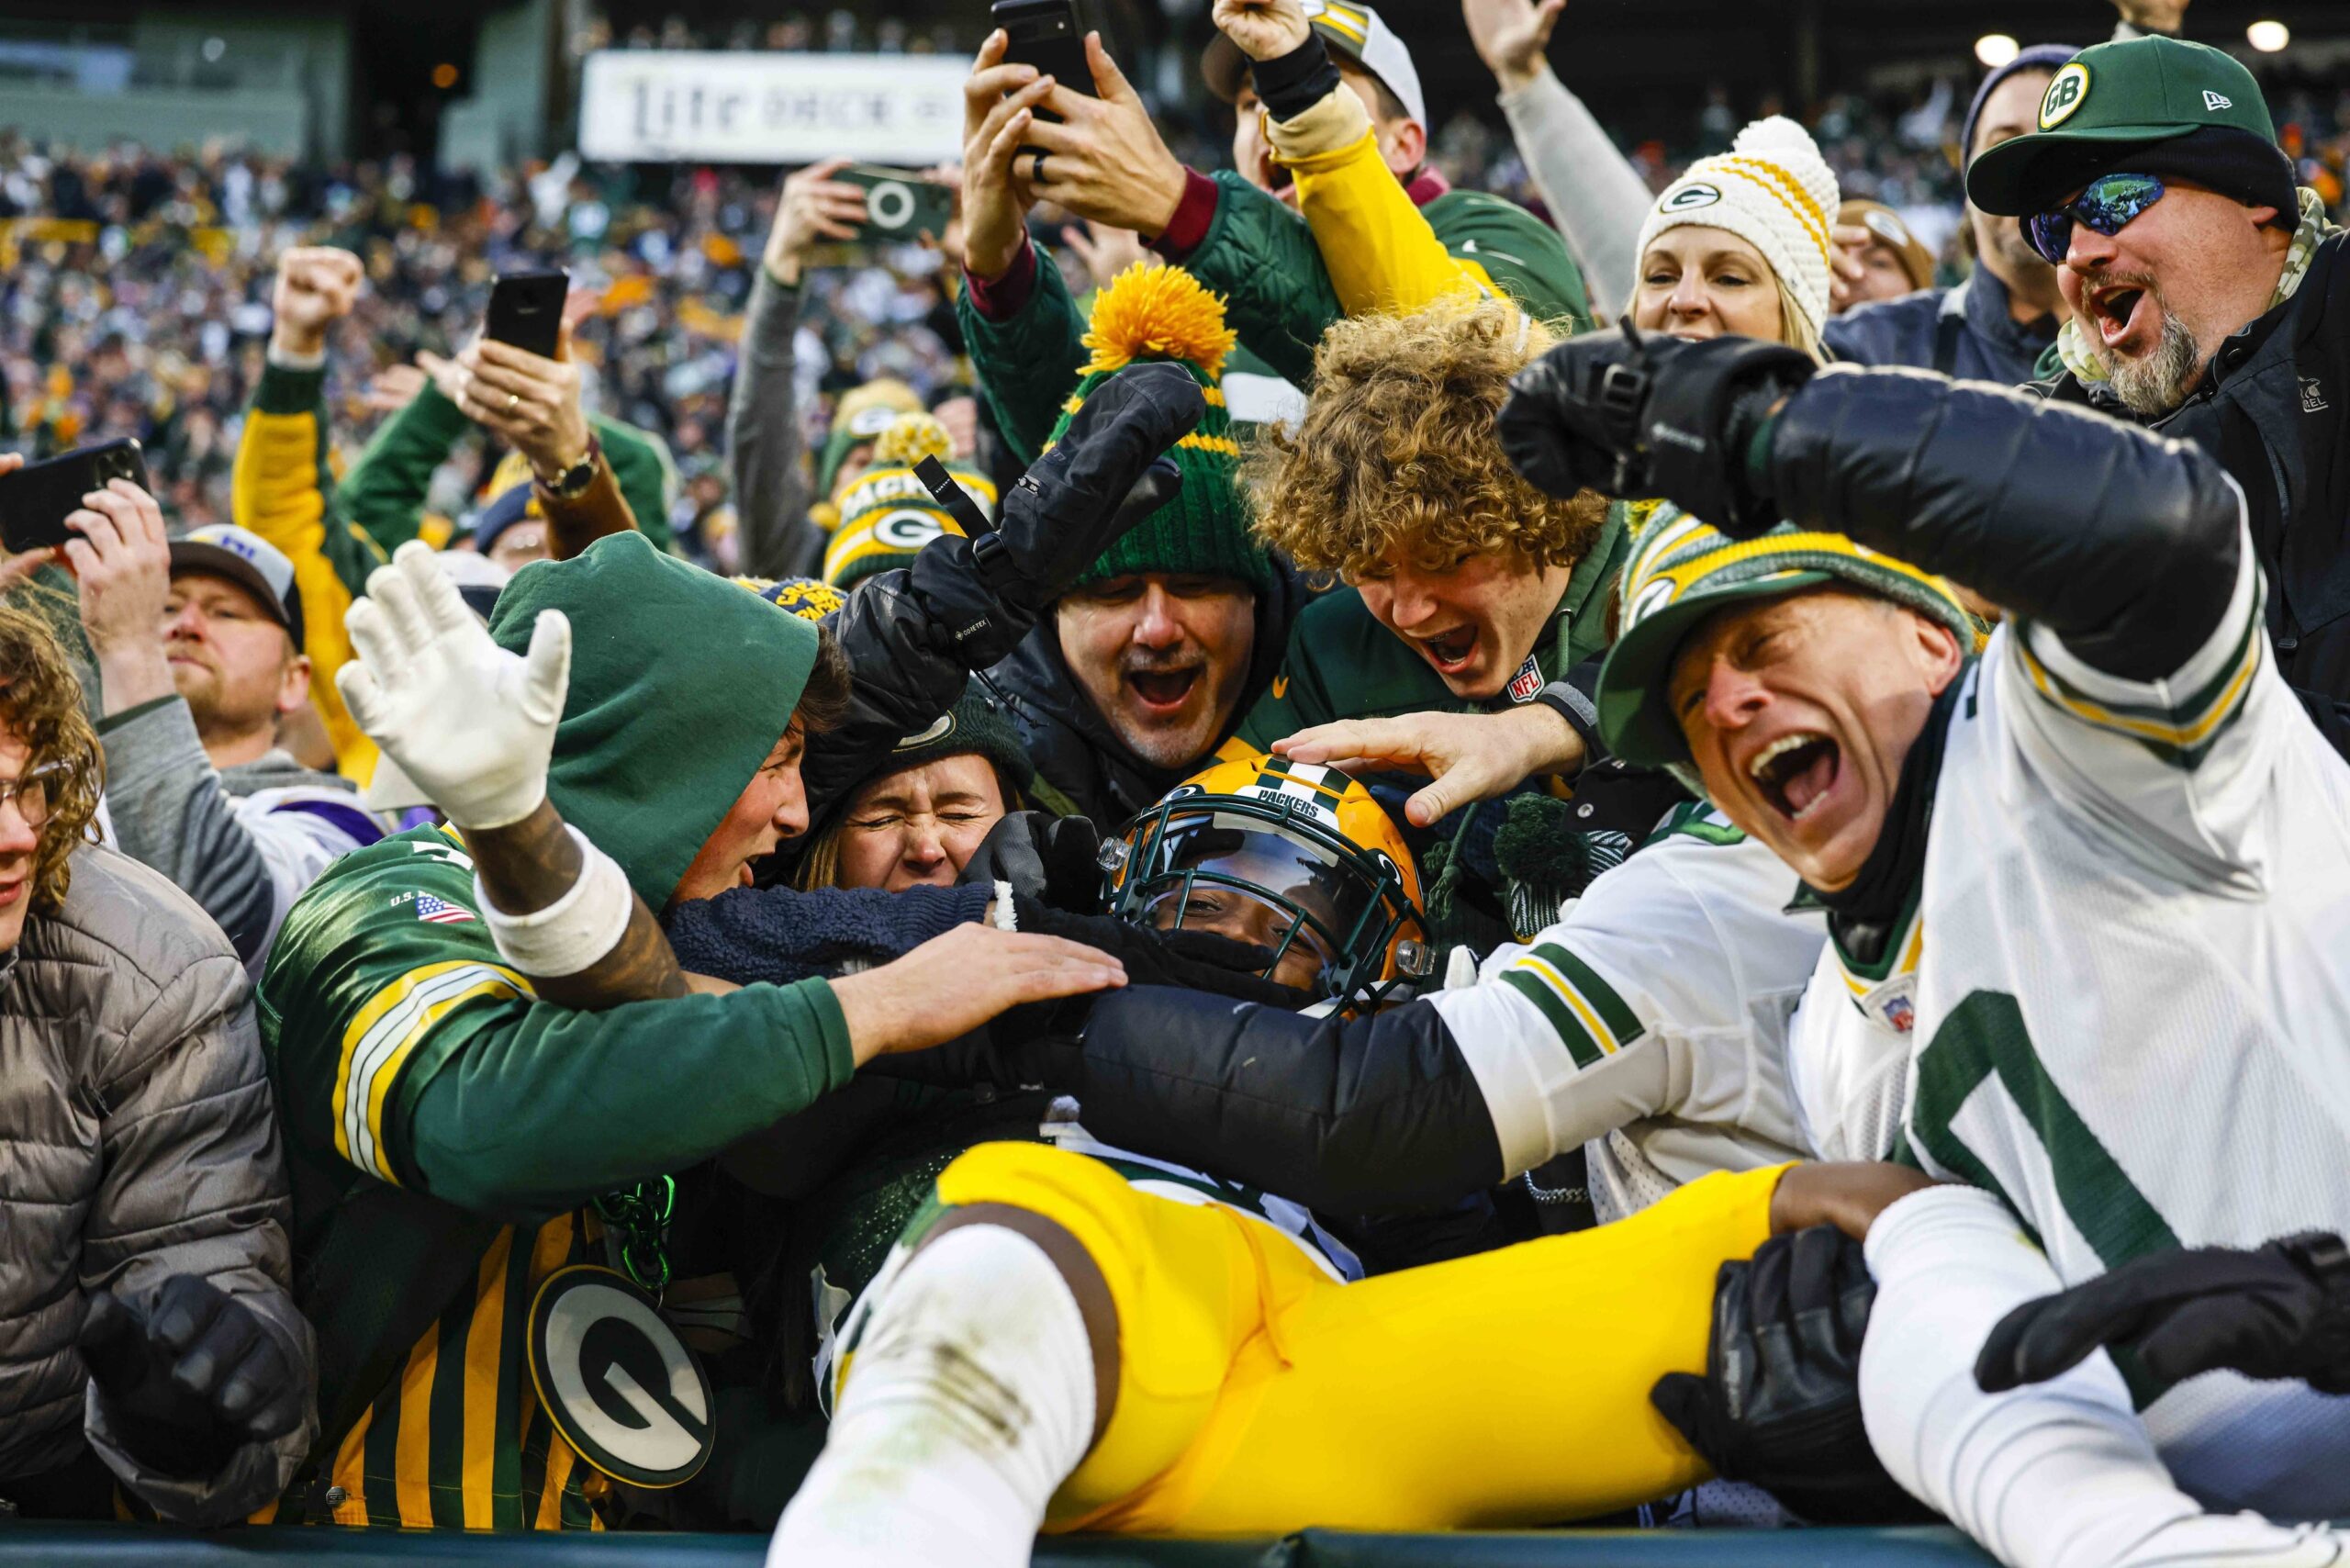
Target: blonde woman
{"points": [[1742, 243]]}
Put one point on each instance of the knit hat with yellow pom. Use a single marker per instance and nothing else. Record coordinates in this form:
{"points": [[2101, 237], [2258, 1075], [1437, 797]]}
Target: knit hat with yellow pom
{"points": [[1155, 311], [889, 514]]}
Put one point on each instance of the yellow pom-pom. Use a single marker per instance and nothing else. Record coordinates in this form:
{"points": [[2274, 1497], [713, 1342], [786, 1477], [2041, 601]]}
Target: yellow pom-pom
{"points": [[910, 439], [1155, 311]]}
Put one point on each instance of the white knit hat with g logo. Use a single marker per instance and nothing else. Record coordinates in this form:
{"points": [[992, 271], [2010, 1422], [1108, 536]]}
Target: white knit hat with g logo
{"points": [[1771, 189]]}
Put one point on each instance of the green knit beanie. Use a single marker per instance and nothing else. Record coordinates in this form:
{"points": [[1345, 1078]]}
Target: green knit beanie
{"points": [[975, 726], [1154, 311], [863, 412], [890, 514]]}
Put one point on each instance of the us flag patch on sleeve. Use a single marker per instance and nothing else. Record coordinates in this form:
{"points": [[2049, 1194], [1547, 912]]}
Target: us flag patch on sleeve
{"points": [[440, 912]]}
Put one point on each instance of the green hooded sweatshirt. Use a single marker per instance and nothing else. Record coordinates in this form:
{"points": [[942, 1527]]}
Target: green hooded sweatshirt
{"points": [[438, 1115]]}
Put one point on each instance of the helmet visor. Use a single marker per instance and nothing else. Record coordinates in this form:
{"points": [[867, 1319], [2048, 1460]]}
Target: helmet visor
{"points": [[1233, 876]]}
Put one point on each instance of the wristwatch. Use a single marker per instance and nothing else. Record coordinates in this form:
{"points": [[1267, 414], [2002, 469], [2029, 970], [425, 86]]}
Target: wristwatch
{"points": [[572, 482]]}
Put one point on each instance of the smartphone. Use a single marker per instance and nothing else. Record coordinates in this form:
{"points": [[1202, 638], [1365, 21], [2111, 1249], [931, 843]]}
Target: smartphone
{"points": [[900, 208], [36, 499], [1050, 35], [526, 311]]}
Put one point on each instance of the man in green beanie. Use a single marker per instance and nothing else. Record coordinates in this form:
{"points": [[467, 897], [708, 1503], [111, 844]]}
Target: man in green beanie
{"points": [[487, 1062], [1145, 664], [2207, 298]]}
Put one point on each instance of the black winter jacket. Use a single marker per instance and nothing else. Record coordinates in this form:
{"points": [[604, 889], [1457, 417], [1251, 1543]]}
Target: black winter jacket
{"points": [[2275, 408]]}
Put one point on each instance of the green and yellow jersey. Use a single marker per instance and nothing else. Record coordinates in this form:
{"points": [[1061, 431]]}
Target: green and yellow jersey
{"points": [[447, 1133]]}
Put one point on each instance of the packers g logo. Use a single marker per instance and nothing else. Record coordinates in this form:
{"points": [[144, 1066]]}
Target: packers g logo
{"points": [[616, 1380], [1688, 198], [2066, 92], [907, 528], [1650, 600]]}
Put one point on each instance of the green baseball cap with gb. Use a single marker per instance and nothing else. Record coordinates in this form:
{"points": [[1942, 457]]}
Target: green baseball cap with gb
{"points": [[2157, 106]]}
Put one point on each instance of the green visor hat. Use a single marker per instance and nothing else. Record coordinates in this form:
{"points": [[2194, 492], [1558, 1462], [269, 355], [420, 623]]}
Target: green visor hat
{"points": [[1683, 570]]}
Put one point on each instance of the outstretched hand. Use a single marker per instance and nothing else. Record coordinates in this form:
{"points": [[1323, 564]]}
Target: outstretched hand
{"points": [[472, 725], [2279, 1311], [1470, 756], [1265, 29], [997, 103], [954, 983], [1103, 159], [1511, 35]]}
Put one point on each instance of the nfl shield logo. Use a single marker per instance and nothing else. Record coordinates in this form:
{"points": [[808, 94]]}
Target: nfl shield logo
{"points": [[1525, 683], [1901, 1013]]}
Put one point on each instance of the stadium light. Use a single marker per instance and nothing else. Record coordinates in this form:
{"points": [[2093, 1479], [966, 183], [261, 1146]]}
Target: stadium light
{"points": [[2268, 36], [1995, 49], [444, 75]]}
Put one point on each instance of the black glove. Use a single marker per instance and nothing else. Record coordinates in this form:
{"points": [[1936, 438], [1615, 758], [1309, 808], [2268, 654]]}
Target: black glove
{"points": [[1047, 859], [980, 595], [1780, 1404], [2279, 1311], [1634, 415], [199, 1377], [1197, 961]]}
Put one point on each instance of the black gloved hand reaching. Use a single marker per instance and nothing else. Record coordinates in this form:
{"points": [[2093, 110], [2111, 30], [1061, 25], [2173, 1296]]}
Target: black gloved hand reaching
{"points": [[1780, 1404], [980, 596], [1633, 414], [2277, 1311], [1106, 475], [188, 1383], [1047, 859]]}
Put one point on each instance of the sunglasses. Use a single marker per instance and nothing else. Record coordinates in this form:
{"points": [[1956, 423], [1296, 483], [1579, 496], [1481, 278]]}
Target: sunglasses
{"points": [[2106, 207]]}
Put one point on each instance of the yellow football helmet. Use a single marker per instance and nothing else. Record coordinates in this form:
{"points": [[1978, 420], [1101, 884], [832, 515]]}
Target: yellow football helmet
{"points": [[1313, 857]]}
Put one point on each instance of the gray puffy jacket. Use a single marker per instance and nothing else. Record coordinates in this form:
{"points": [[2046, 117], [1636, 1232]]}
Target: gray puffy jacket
{"points": [[137, 1142]]}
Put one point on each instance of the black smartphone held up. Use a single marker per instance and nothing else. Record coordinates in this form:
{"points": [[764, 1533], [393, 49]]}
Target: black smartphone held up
{"points": [[526, 311], [1050, 35], [36, 499], [900, 208]]}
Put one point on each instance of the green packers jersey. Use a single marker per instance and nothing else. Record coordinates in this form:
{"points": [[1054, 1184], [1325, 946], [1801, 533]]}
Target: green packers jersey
{"points": [[446, 1133]]}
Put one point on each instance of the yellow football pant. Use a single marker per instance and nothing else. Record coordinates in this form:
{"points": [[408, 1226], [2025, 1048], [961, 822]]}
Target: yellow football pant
{"points": [[1257, 1395]]}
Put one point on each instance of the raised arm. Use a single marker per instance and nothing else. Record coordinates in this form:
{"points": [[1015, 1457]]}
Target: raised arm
{"points": [[1595, 196], [2122, 544], [765, 445]]}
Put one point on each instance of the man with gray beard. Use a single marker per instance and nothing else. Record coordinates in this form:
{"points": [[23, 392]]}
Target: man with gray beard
{"points": [[2205, 298]]}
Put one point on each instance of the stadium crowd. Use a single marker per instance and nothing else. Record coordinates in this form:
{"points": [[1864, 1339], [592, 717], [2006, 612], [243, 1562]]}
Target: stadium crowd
{"points": [[1194, 858]]}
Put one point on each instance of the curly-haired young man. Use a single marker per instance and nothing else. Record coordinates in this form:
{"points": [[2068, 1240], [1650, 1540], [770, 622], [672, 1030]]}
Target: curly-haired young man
{"points": [[1466, 587], [147, 1201]]}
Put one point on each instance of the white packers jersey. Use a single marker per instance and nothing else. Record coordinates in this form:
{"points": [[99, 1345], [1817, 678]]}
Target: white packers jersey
{"points": [[2134, 999], [1847, 1049], [1650, 1023]]}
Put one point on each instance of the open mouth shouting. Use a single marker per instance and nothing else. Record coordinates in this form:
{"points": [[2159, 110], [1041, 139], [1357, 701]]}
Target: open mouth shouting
{"points": [[1162, 693], [1796, 772], [2122, 311], [1452, 653]]}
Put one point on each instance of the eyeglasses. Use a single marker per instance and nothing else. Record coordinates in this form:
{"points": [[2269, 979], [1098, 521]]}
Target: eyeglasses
{"points": [[2108, 205], [30, 792]]}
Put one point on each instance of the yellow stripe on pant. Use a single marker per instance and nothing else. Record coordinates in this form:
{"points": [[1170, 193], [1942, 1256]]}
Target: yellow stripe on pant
{"points": [[1257, 1395]]}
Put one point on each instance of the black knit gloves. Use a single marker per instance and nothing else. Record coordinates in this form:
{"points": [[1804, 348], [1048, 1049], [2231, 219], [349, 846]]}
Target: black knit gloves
{"points": [[1780, 1404], [2277, 1311], [1636, 415], [199, 1377]]}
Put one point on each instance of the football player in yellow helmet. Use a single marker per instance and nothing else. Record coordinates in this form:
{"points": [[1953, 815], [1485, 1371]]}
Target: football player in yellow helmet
{"points": [[1290, 856]]}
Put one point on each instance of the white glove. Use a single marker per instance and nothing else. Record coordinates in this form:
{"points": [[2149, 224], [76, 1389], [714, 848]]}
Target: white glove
{"points": [[473, 724]]}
